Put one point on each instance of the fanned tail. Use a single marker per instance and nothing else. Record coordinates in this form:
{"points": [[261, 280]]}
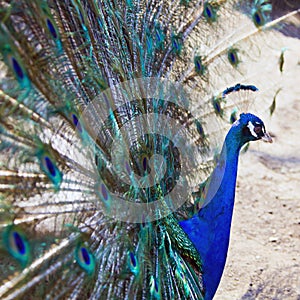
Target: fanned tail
{"points": [[88, 97]]}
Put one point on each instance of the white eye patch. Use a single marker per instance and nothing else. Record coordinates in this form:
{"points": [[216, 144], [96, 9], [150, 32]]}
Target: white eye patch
{"points": [[251, 128]]}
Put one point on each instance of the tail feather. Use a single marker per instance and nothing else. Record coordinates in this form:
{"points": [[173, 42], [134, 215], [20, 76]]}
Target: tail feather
{"points": [[83, 76]]}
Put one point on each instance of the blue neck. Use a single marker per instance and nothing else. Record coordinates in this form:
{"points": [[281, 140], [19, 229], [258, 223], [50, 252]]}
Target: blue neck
{"points": [[209, 229]]}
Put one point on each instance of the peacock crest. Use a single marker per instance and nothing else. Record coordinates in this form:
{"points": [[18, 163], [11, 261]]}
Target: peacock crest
{"points": [[113, 176]]}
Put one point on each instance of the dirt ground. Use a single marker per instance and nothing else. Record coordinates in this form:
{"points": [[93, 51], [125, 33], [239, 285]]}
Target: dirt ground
{"points": [[264, 255]]}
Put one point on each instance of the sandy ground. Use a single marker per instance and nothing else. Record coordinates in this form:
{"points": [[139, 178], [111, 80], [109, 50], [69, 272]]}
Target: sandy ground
{"points": [[264, 255]]}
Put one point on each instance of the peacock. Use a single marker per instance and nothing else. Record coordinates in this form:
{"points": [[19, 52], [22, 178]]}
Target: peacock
{"points": [[113, 177]]}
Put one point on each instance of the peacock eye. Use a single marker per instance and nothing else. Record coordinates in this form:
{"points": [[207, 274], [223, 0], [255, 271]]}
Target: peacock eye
{"points": [[76, 123], [51, 29], [145, 163], [133, 263], [258, 129], [17, 245], [17, 68], [104, 192], [257, 18], [50, 166], [199, 66], [210, 13], [233, 57], [84, 258], [132, 259], [20, 245]]}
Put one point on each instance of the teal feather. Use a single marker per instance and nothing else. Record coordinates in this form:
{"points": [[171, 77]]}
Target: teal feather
{"points": [[111, 115], [16, 244]]}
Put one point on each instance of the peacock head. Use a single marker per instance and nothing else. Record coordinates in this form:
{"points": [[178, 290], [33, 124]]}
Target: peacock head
{"points": [[250, 128]]}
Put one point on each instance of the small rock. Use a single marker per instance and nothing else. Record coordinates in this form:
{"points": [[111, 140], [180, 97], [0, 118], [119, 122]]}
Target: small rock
{"points": [[273, 239]]}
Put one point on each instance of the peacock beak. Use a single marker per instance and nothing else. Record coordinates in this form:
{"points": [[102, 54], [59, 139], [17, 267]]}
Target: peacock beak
{"points": [[267, 138]]}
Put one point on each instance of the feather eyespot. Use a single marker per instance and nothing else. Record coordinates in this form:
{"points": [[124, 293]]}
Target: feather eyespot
{"points": [[50, 166], [145, 164], [233, 57], [51, 29], [20, 245], [260, 13], [200, 129], [16, 244], [210, 12], [257, 18], [177, 44], [85, 255], [104, 192], [76, 123], [104, 195], [216, 101], [133, 263], [132, 259], [85, 258], [154, 288], [17, 68], [199, 66]]}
